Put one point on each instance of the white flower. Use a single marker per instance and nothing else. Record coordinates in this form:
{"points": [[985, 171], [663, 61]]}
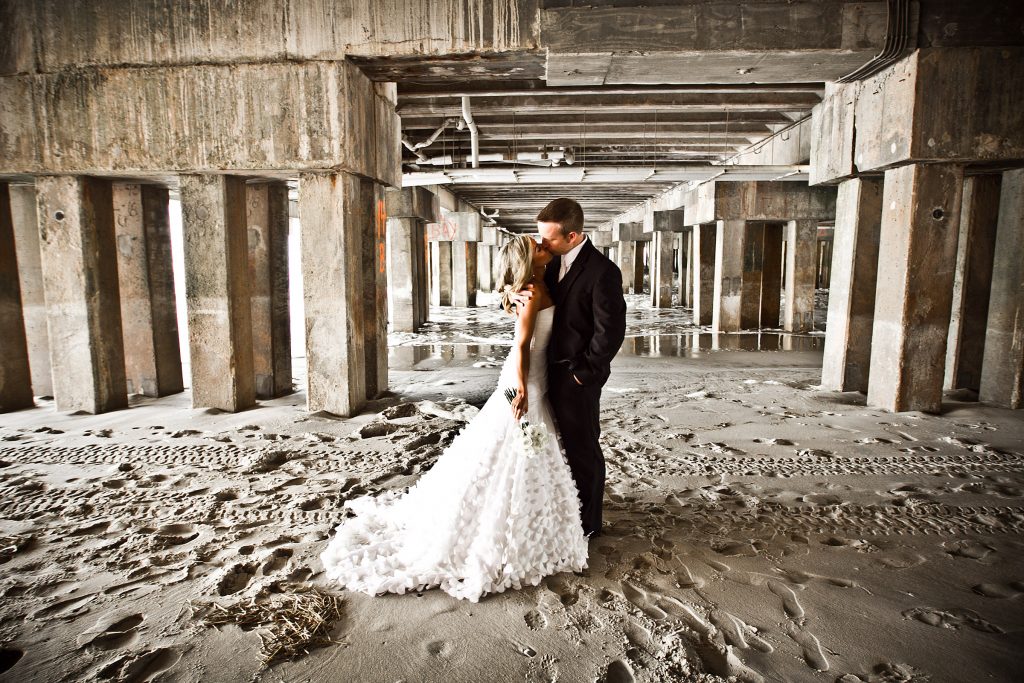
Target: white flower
{"points": [[530, 439]]}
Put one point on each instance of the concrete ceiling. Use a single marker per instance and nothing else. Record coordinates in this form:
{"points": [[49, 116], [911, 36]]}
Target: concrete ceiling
{"points": [[627, 142]]}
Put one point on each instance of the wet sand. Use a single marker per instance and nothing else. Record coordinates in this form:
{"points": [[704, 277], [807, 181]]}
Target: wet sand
{"points": [[757, 528]]}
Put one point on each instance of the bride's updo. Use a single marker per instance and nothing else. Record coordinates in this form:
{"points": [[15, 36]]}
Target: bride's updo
{"points": [[515, 268]]}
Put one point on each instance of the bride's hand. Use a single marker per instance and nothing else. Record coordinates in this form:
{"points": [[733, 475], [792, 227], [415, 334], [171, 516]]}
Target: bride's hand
{"points": [[522, 297], [520, 404]]}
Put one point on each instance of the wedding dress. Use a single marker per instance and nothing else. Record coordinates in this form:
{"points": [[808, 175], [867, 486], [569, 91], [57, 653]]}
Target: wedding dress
{"points": [[486, 517]]}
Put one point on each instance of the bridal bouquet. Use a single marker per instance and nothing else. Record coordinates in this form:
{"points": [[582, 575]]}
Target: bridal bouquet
{"points": [[531, 438]]}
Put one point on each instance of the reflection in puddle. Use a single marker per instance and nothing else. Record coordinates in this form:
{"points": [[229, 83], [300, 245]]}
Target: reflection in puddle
{"points": [[683, 345], [689, 344]]}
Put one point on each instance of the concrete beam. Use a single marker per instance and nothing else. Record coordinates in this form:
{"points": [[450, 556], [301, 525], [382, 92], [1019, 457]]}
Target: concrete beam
{"points": [[313, 115], [669, 221], [761, 201], [1002, 374], [602, 239], [149, 317], [412, 202], [79, 258], [217, 292], [15, 372], [917, 256], [30, 272]]}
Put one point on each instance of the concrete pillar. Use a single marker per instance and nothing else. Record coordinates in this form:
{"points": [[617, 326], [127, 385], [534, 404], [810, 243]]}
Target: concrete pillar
{"points": [[684, 260], [625, 254], [421, 275], [705, 238], [851, 301], [463, 273], [217, 291], [267, 220], [441, 273], [737, 285], [15, 373], [1002, 375], [771, 275], [79, 259], [965, 347], [662, 255], [917, 256], [484, 263], [801, 269], [403, 236], [639, 248], [30, 274], [334, 225], [149, 319], [375, 286]]}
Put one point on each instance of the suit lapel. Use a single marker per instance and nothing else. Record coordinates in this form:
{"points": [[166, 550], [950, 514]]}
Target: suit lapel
{"points": [[574, 270]]}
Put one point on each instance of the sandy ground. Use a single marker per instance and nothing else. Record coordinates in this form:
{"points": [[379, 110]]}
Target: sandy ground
{"points": [[757, 528]]}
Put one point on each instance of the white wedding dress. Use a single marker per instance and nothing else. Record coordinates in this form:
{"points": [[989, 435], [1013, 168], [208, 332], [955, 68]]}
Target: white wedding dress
{"points": [[485, 517]]}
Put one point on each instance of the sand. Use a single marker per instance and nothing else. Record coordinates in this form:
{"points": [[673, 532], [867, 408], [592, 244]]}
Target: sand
{"points": [[757, 529]]}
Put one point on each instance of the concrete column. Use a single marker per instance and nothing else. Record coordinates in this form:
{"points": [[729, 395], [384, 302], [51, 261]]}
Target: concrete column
{"points": [[485, 277], [217, 291], [1002, 375], [421, 275], [851, 301], [79, 259], [684, 260], [441, 273], [149, 319], [267, 220], [15, 373], [375, 286], [737, 285], [30, 274], [965, 347], [801, 269], [624, 251], [403, 235], [639, 248], [334, 225], [771, 275], [917, 256], [463, 273], [705, 238], [662, 254]]}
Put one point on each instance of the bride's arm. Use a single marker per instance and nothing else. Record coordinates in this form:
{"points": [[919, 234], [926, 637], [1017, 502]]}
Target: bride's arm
{"points": [[524, 335]]}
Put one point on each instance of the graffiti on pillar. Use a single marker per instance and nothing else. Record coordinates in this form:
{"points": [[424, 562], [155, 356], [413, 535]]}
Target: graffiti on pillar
{"points": [[381, 226], [444, 231]]}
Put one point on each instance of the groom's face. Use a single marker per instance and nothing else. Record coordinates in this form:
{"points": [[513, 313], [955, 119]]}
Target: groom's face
{"points": [[553, 239]]}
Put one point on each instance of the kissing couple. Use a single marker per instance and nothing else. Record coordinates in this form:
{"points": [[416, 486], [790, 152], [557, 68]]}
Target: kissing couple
{"points": [[517, 494]]}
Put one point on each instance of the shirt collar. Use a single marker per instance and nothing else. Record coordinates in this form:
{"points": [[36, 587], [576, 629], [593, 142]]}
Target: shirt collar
{"points": [[571, 255]]}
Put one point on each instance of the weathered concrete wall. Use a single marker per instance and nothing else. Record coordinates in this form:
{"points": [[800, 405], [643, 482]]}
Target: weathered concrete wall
{"points": [[30, 272], [260, 117], [15, 373]]}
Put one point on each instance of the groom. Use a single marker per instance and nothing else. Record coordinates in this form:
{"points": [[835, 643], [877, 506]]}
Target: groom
{"points": [[589, 325]]}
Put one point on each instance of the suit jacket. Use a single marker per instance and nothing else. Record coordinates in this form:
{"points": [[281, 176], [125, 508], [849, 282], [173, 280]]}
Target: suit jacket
{"points": [[590, 315]]}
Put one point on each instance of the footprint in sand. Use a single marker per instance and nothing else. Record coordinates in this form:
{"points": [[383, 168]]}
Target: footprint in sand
{"points": [[9, 656], [954, 618], [65, 608], [639, 599], [236, 578], [640, 639], [618, 672], [107, 635], [810, 646], [738, 633], [775, 442], [278, 559], [685, 578], [968, 548], [535, 620], [566, 592], [441, 649], [792, 606], [685, 614], [142, 667], [1000, 590]]}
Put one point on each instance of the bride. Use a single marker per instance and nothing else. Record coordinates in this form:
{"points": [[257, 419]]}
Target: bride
{"points": [[493, 513]]}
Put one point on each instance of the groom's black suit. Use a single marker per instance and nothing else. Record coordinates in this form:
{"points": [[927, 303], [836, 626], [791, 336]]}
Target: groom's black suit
{"points": [[589, 325]]}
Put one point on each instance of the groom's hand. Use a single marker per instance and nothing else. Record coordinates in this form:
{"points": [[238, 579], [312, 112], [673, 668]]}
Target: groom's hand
{"points": [[523, 296]]}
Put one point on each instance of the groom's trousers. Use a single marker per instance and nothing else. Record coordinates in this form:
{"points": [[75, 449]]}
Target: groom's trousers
{"points": [[577, 410]]}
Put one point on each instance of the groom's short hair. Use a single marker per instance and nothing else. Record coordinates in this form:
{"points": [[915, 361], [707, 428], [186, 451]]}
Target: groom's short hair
{"points": [[564, 211]]}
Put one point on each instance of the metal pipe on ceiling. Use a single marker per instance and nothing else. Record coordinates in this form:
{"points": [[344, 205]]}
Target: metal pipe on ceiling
{"points": [[474, 134]]}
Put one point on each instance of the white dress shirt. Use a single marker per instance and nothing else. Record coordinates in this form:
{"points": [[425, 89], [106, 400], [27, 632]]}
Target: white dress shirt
{"points": [[569, 257]]}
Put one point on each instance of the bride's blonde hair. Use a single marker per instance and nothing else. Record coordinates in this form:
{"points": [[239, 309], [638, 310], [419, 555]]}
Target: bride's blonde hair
{"points": [[515, 268]]}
